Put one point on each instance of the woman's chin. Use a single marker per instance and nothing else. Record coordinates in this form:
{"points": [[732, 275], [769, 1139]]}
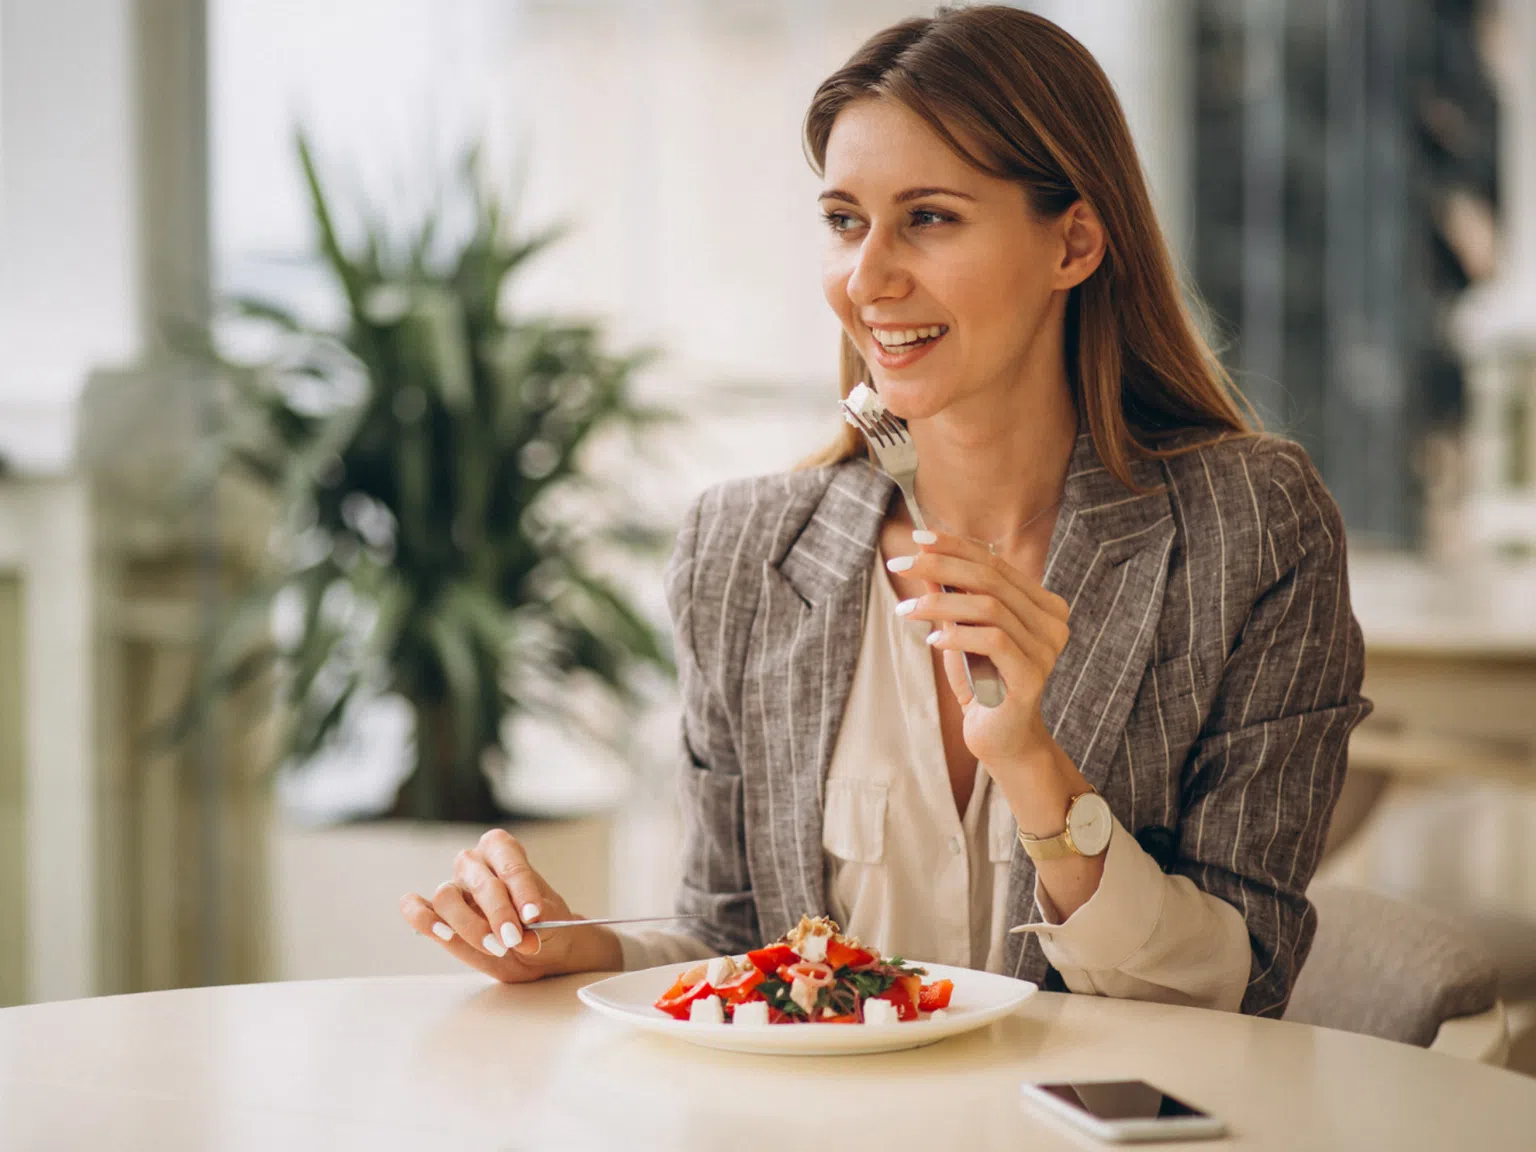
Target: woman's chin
{"points": [[908, 399]]}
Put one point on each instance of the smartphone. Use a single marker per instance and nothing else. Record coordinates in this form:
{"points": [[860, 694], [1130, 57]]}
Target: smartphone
{"points": [[1123, 1111]]}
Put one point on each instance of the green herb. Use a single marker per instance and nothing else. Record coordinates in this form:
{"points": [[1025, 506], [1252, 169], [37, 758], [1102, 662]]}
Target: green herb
{"points": [[869, 983], [776, 992]]}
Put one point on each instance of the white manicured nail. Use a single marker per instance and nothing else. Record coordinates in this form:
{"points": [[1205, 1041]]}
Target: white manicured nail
{"points": [[906, 607], [511, 934], [530, 912], [901, 563], [442, 931], [935, 636], [923, 536], [494, 946]]}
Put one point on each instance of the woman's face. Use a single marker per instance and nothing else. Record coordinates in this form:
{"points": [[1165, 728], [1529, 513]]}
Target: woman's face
{"points": [[922, 242]]}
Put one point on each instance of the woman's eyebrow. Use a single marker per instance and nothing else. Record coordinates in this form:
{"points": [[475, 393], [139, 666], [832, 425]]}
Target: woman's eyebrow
{"points": [[900, 198]]}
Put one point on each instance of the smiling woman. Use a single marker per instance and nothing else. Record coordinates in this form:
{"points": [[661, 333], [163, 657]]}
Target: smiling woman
{"points": [[1031, 202], [1162, 591]]}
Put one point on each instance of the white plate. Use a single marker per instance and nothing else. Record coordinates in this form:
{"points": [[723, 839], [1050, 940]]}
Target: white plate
{"points": [[979, 998]]}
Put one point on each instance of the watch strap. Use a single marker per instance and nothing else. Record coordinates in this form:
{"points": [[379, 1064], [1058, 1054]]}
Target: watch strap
{"points": [[1051, 848]]}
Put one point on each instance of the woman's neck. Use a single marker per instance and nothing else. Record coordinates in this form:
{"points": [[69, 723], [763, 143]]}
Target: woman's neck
{"points": [[993, 474]]}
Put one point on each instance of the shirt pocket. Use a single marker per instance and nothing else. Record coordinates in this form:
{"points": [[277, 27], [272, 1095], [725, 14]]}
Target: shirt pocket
{"points": [[1002, 832], [853, 823]]}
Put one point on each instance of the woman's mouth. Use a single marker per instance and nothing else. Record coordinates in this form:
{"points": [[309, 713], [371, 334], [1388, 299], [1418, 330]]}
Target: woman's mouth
{"points": [[898, 347]]}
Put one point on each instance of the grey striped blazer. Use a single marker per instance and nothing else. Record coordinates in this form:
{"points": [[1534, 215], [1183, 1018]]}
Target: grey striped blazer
{"points": [[1209, 686]]}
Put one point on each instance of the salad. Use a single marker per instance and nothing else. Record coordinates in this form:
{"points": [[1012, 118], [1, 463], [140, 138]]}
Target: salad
{"points": [[811, 975]]}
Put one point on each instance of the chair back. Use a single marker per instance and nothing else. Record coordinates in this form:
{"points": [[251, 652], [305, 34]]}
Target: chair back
{"points": [[1389, 969]]}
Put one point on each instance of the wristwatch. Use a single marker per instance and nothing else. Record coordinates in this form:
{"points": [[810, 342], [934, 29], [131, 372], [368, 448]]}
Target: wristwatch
{"points": [[1089, 823]]}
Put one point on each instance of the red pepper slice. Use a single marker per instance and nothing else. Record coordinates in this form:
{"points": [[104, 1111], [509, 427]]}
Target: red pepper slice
{"points": [[770, 959], [676, 1001], [935, 996], [841, 955], [741, 987], [904, 994]]}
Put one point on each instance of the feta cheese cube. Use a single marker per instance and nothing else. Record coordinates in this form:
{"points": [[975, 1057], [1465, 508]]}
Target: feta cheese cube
{"points": [[801, 992], [879, 1012], [814, 948], [721, 969], [707, 1010], [753, 1014], [866, 401], [939, 1014]]}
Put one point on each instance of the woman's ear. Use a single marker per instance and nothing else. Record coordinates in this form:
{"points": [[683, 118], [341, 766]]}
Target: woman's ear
{"points": [[1083, 243]]}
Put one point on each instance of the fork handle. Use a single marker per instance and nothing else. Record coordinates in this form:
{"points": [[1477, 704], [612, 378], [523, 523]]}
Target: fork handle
{"points": [[980, 673]]}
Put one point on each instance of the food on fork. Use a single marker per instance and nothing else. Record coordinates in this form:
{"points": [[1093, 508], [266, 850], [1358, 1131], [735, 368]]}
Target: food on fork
{"points": [[865, 401], [811, 975]]}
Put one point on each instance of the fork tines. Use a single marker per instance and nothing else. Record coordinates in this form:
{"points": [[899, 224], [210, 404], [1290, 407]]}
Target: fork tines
{"points": [[886, 429]]}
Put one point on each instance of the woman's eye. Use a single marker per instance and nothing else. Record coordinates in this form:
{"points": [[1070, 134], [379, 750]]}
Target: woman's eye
{"points": [[842, 222]]}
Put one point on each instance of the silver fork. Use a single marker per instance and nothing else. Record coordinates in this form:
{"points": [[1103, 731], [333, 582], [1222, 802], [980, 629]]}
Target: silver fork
{"points": [[892, 445]]}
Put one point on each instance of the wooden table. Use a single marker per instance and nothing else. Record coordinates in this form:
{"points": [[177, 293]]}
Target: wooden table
{"points": [[457, 1062]]}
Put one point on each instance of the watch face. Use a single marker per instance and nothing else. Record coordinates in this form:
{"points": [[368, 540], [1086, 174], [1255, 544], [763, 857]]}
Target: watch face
{"points": [[1091, 824]]}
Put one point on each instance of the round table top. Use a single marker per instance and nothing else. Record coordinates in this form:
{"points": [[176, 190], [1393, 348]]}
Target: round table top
{"points": [[459, 1062]]}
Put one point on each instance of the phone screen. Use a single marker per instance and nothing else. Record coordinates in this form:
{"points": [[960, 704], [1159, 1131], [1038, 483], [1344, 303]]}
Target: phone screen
{"points": [[1120, 1100]]}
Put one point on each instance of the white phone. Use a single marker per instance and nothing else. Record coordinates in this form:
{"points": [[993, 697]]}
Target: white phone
{"points": [[1124, 1111]]}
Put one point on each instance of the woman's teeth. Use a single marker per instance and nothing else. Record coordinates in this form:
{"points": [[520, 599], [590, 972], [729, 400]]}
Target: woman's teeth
{"points": [[900, 340]]}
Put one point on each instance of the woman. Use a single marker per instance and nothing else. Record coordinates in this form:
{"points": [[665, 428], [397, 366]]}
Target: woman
{"points": [[1163, 592]]}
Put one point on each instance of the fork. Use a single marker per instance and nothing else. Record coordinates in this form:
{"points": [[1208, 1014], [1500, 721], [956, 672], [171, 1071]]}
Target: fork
{"points": [[546, 925], [892, 445]]}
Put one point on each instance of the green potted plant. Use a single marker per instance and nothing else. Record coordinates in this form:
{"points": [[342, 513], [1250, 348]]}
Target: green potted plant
{"points": [[437, 520]]}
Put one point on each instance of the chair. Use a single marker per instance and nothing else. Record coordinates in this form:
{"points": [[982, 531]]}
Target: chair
{"points": [[1401, 972]]}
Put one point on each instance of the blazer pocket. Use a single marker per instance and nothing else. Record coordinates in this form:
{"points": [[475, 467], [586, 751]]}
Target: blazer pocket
{"points": [[1002, 831], [853, 821]]}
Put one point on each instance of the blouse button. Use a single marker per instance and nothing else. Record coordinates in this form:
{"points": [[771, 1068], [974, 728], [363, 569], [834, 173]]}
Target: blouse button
{"points": [[954, 845]]}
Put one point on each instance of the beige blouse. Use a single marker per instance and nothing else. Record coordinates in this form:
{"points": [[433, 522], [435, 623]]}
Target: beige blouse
{"points": [[910, 875]]}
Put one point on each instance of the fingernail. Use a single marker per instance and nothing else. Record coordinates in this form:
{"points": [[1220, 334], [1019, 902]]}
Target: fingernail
{"points": [[442, 931], [923, 536], [935, 636], [494, 946], [906, 607], [511, 934], [530, 912], [901, 563]]}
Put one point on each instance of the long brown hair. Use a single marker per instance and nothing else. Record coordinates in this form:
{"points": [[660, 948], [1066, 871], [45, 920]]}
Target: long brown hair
{"points": [[1041, 112]]}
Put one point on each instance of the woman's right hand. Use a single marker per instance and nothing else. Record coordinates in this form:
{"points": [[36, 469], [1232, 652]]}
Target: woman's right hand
{"points": [[487, 916]]}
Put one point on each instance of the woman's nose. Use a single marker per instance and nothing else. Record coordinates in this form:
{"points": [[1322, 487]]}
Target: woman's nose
{"points": [[877, 271]]}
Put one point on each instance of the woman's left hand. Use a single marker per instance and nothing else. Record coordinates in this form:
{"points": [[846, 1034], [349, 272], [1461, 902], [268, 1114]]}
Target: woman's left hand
{"points": [[997, 612]]}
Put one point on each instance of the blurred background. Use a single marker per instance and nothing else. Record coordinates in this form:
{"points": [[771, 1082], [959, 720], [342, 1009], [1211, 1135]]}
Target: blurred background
{"points": [[358, 358]]}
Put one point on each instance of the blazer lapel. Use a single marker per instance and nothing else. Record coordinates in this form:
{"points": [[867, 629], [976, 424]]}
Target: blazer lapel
{"points": [[1109, 558], [801, 658]]}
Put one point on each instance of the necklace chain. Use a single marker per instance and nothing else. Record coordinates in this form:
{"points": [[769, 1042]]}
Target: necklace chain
{"points": [[992, 544]]}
